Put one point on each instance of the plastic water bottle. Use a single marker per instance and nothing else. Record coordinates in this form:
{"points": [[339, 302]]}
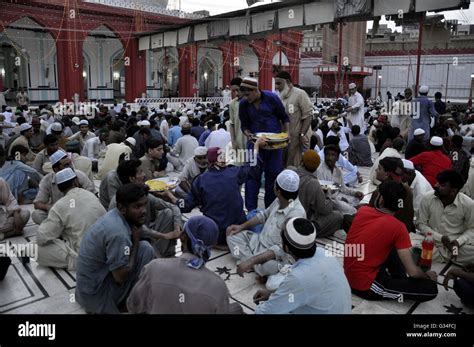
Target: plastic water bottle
{"points": [[426, 252]]}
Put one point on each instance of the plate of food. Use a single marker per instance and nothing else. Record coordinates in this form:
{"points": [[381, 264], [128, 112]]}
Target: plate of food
{"points": [[162, 184], [329, 185], [273, 137]]}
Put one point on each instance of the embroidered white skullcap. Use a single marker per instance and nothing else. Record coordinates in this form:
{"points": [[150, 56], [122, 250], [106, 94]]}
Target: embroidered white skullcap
{"points": [[418, 131], [131, 141], [25, 126], [201, 150], [288, 180], [57, 156], [436, 141], [56, 127], [352, 85], [424, 89], [65, 175], [300, 233]]}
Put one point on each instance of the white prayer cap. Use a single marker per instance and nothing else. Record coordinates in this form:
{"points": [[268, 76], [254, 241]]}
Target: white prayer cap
{"points": [[407, 164], [424, 89], [375, 123], [84, 122], [436, 141], [352, 85], [288, 180], [300, 233], [131, 141], [190, 113], [145, 123], [76, 120], [418, 131], [199, 151], [8, 109], [330, 124], [56, 127], [57, 156], [25, 126], [65, 175], [168, 109]]}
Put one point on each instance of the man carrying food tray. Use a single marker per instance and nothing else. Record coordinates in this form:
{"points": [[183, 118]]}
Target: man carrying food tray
{"points": [[262, 111]]}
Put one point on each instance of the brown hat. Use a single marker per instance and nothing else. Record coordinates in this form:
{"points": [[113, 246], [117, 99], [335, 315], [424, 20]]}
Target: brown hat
{"points": [[250, 83], [311, 160]]}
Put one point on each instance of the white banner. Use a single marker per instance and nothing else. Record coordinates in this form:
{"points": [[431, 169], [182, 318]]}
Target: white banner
{"points": [[290, 17], [184, 35], [200, 32], [431, 5], [239, 26], [170, 39], [318, 13], [383, 7], [157, 41], [144, 43], [263, 22]]}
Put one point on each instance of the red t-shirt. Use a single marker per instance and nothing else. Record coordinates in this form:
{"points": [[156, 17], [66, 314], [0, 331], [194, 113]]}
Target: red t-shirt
{"points": [[370, 240], [432, 163]]}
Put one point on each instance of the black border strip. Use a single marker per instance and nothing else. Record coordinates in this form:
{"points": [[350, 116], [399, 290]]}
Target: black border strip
{"points": [[218, 256], [413, 308], [56, 273], [25, 284], [70, 274], [241, 303], [38, 284]]}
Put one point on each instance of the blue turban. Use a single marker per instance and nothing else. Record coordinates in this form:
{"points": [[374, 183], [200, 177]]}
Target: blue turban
{"points": [[203, 233]]}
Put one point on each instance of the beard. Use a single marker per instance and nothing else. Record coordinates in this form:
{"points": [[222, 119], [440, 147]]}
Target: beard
{"points": [[284, 93]]}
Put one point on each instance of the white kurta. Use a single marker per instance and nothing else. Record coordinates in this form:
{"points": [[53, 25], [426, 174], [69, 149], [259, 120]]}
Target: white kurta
{"points": [[420, 186], [455, 221], [356, 116]]}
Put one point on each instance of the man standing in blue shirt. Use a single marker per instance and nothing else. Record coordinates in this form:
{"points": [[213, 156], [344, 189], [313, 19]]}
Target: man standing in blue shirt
{"points": [[422, 110], [175, 132], [315, 284], [262, 111]]}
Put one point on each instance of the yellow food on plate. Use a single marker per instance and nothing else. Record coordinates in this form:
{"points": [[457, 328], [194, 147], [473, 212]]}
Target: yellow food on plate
{"points": [[156, 185], [280, 136]]}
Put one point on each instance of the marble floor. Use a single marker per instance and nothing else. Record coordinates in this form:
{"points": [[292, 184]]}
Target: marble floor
{"points": [[33, 289]]}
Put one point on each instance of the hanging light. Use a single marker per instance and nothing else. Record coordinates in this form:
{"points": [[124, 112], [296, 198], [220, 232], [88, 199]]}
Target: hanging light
{"points": [[116, 75], [205, 75], [84, 74]]}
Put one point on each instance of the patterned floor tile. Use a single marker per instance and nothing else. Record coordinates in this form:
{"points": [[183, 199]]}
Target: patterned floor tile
{"points": [[372, 307], [245, 296], [446, 302], [62, 303], [21, 288]]}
